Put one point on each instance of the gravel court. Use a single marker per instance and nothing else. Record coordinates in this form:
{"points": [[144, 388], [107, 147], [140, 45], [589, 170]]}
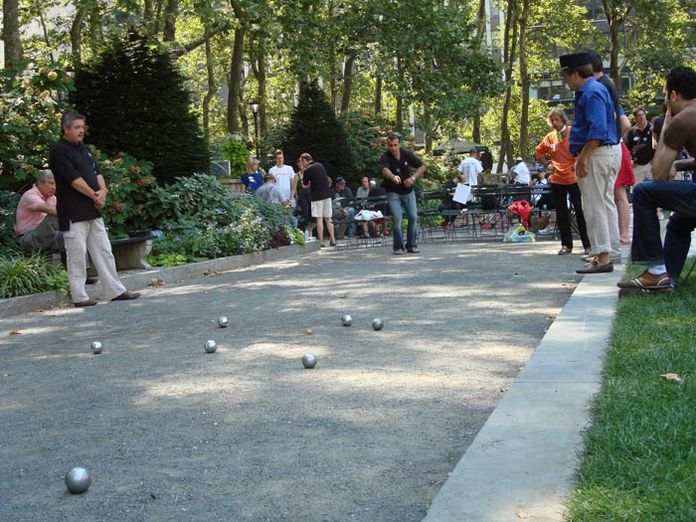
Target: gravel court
{"points": [[170, 432]]}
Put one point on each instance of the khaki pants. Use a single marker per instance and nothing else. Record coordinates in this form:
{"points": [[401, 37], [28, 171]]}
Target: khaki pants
{"points": [[90, 236], [598, 204]]}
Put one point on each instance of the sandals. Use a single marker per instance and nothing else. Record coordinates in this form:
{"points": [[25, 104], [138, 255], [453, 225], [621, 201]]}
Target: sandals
{"points": [[647, 281], [564, 251]]}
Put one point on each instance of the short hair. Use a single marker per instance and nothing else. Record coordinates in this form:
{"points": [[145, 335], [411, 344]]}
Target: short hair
{"points": [[394, 136], [268, 176], [596, 61], [473, 151], [306, 156], [44, 175], [585, 71], [277, 152], [682, 80], [639, 109], [69, 117], [557, 111]]}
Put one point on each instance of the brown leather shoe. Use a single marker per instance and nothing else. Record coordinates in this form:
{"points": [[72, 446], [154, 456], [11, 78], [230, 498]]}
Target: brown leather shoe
{"points": [[88, 302], [127, 296]]}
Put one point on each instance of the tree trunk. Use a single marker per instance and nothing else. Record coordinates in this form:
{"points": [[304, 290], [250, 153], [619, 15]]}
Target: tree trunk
{"points": [[10, 32], [510, 44], [347, 82], [210, 93], [261, 92], [525, 82], [378, 95], [76, 36], [399, 100], [95, 28], [477, 45], [235, 80], [427, 130], [170, 13]]}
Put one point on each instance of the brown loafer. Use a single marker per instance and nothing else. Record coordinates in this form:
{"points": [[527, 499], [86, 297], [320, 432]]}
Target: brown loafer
{"points": [[594, 268], [88, 302], [647, 281], [127, 296]]}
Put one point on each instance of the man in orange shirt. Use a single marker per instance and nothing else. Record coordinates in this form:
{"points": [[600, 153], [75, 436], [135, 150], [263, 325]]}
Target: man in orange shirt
{"points": [[37, 222], [562, 179]]}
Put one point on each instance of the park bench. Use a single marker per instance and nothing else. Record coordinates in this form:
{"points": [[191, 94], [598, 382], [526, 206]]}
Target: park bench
{"points": [[131, 253], [369, 203]]}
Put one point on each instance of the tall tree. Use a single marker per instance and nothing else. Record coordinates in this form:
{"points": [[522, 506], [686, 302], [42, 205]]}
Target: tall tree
{"points": [[10, 32]]}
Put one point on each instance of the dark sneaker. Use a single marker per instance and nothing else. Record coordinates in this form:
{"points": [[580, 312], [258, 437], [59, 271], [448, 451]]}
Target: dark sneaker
{"points": [[88, 302]]}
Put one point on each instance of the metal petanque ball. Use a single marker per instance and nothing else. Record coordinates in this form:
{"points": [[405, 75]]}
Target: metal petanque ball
{"points": [[347, 320], [77, 480], [309, 360], [224, 322], [377, 324], [97, 347], [210, 346]]}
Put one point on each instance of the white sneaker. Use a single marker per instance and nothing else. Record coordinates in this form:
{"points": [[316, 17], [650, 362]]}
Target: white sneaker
{"points": [[545, 232]]}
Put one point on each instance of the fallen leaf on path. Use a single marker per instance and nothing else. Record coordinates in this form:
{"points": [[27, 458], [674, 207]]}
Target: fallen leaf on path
{"points": [[503, 389], [156, 282], [14, 331], [523, 514], [211, 273], [672, 377]]}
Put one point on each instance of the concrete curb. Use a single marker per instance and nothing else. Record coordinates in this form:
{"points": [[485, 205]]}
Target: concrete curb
{"points": [[136, 280], [522, 462]]}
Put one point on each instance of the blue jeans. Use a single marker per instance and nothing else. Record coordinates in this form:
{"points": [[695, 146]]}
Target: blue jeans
{"points": [[397, 204], [646, 249]]}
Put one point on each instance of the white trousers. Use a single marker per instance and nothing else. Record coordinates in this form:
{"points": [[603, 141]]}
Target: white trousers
{"points": [[598, 204], [90, 236]]}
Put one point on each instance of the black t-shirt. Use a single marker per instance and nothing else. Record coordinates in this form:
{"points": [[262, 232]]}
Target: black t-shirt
{"points": [[68, 163], [399, 167], [639, 142], [315, 176]]}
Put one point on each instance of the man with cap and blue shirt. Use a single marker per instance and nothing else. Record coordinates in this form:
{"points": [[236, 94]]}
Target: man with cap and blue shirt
{"points": [[592, 139]]}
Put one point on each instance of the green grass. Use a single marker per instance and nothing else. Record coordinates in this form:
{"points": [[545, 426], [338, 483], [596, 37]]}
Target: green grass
{"points": [[639, 461]]}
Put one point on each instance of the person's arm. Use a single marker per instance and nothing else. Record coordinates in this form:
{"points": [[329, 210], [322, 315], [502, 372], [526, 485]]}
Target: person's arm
{"points": [[46, 209], [663, 161], [581, 162], [625, 124], [420, 170], [80, 185], [101, 201], [388, 174], [293, 186]]}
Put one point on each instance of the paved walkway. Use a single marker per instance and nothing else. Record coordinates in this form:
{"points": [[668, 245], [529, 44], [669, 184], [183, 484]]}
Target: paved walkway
{"points": [[372, 433]]}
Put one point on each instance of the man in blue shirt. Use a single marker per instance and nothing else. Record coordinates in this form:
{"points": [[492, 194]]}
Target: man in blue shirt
{"points": [[592, 139]]}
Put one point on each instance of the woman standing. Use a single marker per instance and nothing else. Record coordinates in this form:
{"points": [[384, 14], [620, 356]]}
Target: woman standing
{"points": [[562, 179]]}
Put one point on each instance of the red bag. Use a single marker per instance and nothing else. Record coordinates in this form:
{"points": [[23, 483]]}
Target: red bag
{"points": [[523, 209]]}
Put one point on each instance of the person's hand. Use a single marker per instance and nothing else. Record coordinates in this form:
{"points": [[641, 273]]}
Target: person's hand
{"points": [[101, 198], [581, 167], [397, 179], [408, 182]]}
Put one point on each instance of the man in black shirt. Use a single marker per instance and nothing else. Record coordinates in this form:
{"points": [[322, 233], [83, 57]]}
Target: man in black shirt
{"points": [[313, 175], [639, 142], [81, 192], [397, 164]]}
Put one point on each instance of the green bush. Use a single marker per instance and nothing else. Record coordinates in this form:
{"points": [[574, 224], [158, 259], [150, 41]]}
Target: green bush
{"points": [[8, 212], [235, 151], [365, 136], [30, 275]]}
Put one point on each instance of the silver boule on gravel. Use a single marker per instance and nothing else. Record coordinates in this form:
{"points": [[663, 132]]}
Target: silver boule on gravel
{"points": [[377, 324], [309, 360], [210, 346], [77, 480], [97, 347], [347, 320], [224, 322]]}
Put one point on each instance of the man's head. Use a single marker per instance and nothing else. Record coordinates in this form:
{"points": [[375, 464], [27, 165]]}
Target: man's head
{"points": [[72, 126], [268, 178], [340, 183], [558, 118], [474, 153], [279, 157], [393, 143], [305, 160], [365, 182], [641, 117], [597, 63], [576, 69], [680, 88], [46, 183]]}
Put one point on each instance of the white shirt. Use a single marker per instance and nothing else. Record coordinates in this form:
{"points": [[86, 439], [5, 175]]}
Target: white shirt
{"points": [[470, 169], [522, 175], [283, 176]]}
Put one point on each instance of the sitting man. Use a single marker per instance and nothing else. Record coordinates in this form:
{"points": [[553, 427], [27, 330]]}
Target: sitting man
{"points": [[37, 217], [270, 193], [678, 131], [520, 174], [343, 211]]}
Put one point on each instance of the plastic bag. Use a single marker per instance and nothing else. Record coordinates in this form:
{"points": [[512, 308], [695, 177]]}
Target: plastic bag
{"points": [[518, 234]]}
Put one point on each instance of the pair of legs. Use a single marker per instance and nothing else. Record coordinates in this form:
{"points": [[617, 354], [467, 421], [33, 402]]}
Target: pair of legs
{"points": [[647, 248], [398, 204], [559, 195], [322, 212], [90, 236], [624, 212]]}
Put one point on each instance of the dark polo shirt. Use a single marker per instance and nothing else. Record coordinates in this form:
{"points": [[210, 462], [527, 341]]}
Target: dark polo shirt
{"points": [[69, 162], [315, 176], [400, 167]]}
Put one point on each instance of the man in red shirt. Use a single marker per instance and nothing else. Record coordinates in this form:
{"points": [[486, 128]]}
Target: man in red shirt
{"points": [[37, 222]]}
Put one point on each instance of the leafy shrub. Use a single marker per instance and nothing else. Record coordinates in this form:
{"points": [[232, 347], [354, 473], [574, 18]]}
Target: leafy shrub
{"points": [[30, 275], [235, 151], [30, 109], [167, 259], [365, 137], [8, 212]]}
